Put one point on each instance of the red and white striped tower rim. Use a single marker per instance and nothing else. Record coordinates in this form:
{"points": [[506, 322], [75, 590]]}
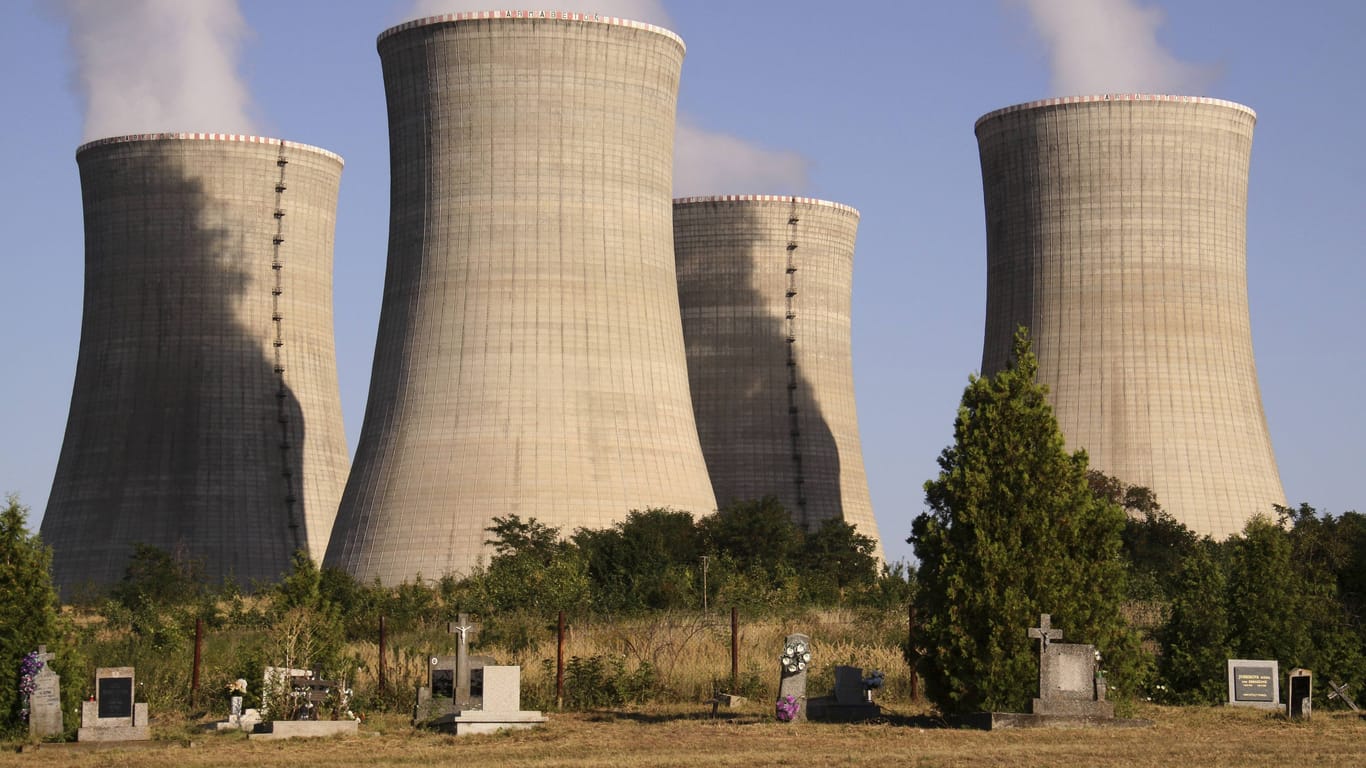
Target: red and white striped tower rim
{"points": [[1114, 97], [592, 18], [135, 137], [765, 199]]}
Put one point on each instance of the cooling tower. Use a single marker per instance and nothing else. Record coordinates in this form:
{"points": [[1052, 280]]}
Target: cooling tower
{"points": [[764, 284], [205, 417], [530, 356], [1116, 232]]}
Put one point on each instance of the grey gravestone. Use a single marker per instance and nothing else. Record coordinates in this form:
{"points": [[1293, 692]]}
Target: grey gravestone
{"points": [[502, 699], [849, 690], [113, 715], [792, 665], [438, 697], [1253, 683], [1070, 682], [45, 705], [851, 701]]}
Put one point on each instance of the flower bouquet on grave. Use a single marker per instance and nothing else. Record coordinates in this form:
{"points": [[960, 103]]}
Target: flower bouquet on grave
{"points": [[787, 708], [29, 667], [871, 683]]}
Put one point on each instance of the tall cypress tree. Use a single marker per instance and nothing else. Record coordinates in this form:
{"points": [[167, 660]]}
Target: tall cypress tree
{"points": [[28, 605], [1014, 530]]}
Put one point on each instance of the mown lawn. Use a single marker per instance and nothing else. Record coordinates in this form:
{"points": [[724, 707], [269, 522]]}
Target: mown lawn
{"points": [[686, 736]]}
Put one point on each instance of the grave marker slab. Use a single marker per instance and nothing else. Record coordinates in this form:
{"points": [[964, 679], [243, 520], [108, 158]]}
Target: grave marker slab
{"points": [[113, 715], [502, 710], [792, 665], [1254, 683], [850, 702], [45, 704]]}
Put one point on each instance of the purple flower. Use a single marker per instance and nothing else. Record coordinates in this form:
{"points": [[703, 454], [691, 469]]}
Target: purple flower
{"points": [[787, 708]]}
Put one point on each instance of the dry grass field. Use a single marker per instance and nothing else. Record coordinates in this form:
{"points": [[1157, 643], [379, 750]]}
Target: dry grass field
{"points": [[687, 736]]}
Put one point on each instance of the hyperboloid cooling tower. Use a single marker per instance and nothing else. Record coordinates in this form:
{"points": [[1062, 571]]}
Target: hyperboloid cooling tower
{"points": [[764, 284], [1116, 232], [530, 355], [205, 417]]}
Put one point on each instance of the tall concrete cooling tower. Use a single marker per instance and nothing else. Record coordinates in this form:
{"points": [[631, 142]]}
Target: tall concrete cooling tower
{"points": [[1116, 232], [764, 283], [530, 356], [205, 417]]}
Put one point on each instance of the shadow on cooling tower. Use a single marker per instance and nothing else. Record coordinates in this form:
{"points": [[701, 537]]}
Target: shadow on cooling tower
{"points": [[761, 427], [182, 434]]}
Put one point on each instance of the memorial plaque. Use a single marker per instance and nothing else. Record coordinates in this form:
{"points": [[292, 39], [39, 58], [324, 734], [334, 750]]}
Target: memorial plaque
{"points": [[443, 683], [1252, 683], [115, 696]]}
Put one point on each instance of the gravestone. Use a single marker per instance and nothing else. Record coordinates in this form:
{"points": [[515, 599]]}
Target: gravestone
{"points": [[438, 696], [312, 718], [792, 666], [502, 705], [1070, 681], [113, 715], [1300, 702], [850, 702], [1254, 683], [45, 703]]}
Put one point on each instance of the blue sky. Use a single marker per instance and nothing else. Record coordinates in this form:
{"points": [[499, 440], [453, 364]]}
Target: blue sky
{"points": [[866, 103]]}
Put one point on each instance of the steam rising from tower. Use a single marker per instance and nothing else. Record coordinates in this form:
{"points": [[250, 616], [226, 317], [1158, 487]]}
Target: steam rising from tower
{"points": [[159, 65], [530, 356], [1116, 232]]}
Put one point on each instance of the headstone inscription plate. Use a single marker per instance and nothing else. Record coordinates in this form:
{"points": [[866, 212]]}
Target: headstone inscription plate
{"points": [[115, 696]]}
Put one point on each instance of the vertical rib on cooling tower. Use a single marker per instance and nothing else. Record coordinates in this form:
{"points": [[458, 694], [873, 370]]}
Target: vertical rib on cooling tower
{"points": [[1116, 231], [205, 417], [764, 283], [530, 356]]}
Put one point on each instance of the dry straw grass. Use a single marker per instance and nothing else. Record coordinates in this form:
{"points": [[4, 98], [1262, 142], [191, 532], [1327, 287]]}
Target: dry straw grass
{"points": [[684, 736]]}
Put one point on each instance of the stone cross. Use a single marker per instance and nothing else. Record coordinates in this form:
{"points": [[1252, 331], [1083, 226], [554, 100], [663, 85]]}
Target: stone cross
{"points": [[1045, 633], [467, 630], [44, 656]]}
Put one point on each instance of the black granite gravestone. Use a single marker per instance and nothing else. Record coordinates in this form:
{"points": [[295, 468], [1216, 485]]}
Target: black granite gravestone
{"points": [[115, 696]]}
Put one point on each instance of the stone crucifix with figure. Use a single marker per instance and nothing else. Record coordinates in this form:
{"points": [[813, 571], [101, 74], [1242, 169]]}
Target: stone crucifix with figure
{"points": [[466, 631]]}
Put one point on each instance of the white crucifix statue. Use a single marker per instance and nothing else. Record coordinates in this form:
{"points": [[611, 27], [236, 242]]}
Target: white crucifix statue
{"points": [[467, 631]]}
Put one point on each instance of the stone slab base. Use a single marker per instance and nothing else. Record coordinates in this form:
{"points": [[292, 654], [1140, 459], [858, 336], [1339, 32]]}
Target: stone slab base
{"points": [[115, 733], [1073, 708], [995, 721], [475, 722], [827, 709], [305, 729]]}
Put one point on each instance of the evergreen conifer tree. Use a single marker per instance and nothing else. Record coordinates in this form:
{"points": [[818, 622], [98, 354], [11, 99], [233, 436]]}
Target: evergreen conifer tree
{"points": [[28, 605], [1014, 530]]}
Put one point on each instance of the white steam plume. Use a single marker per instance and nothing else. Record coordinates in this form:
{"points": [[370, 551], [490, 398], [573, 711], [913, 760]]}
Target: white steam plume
{"points": [[147, 66], [708, 163], [1111, 46]]}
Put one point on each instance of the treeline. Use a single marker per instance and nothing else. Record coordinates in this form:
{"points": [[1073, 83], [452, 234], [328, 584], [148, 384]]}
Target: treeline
{"points": [[1291, 589], [749, 555]]}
